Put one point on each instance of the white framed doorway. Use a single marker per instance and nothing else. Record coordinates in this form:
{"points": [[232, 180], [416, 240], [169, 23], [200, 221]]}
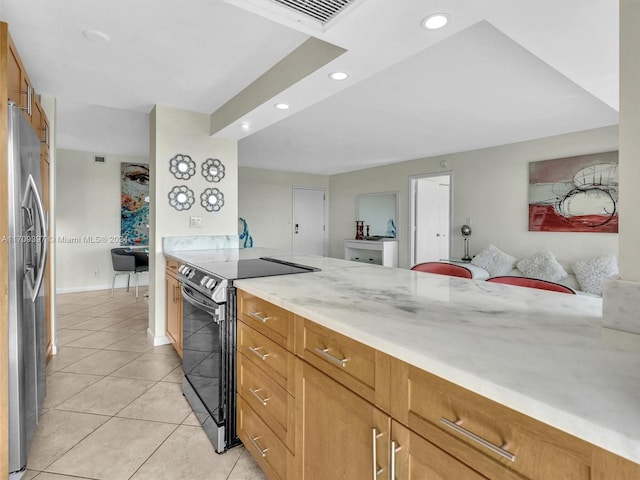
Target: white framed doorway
{"points": [[309, 212], [430, 216]]}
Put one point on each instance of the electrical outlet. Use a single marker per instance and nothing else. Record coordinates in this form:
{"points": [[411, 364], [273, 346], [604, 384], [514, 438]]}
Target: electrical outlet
{"points": [[95, 272], [195, 222]]}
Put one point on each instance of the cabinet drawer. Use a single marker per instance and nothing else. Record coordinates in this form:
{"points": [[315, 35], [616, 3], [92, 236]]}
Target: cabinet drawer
{"points": [[270, 453], [270, 320], [172, 266], [268, 399], [349, 362], [454, 418], [267, 355], [415, 458]]}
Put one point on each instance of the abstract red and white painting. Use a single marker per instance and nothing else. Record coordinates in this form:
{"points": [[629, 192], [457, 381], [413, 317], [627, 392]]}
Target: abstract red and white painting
{"points": [[574, 194]]}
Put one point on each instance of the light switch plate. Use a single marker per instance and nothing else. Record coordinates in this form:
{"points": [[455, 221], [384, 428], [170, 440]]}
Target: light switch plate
{"points": [[195, 222]]}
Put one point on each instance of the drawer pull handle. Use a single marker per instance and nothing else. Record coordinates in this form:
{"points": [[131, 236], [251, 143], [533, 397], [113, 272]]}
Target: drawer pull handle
{"points": [[255, 393], [256, 352], [259, 316], [324, 352], [395, 448], [376, 471], [262, 452], [485, 443]]}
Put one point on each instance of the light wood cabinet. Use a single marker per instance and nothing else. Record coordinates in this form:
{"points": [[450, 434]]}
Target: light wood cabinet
{"points": [[414, 458], [173, 302], [270, 320], [265, 385], [275, 459], [490, 437], [19, 88], [360, 414], [342, 436]]}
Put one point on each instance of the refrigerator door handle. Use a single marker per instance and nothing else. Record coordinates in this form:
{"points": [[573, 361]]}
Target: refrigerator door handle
{"points": [[32, 189]]}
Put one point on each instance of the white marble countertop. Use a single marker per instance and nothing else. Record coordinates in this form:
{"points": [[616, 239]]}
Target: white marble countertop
{"points": [[544, 354]]}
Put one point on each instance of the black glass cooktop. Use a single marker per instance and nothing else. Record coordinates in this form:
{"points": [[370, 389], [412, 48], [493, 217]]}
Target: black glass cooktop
{"points": [[256, 267]]}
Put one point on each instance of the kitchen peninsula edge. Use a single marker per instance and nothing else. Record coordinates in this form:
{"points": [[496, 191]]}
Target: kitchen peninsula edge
{"points": [[542, 354]]}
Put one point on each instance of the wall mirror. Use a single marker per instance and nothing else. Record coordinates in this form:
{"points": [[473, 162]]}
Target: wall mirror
{"points": [[380, 212]]}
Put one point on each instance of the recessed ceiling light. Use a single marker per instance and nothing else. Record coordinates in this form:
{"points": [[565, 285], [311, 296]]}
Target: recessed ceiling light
{"points": [[338, 75], [435, 21], [245, 126], [95, 36], [282, 106]]}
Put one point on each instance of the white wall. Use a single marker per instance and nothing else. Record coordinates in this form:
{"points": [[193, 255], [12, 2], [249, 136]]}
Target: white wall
{"points": [[175, 131], [629, 140], [490, 186], [87, 204], [266, 202]]}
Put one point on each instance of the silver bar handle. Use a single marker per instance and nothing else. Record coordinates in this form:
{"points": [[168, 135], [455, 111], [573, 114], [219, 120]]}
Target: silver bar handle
{"points": [[259, 316], [324, 353], [256, 352], [255, 393], [189, 298], [394, 449], [261, 451], [485, 443], [374, 441], [29, 92]]}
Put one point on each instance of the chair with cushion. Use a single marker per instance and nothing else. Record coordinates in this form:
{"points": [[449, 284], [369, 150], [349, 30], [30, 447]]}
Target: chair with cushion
{"points": [[440, 268], [127, 261], [532, 283]]}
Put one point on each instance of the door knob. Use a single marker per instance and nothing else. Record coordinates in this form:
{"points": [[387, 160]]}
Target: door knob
{"points": [[296, 230]]}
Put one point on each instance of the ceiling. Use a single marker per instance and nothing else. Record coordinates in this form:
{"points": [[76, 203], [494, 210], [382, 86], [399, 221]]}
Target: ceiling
{"points": [[499, 72]]}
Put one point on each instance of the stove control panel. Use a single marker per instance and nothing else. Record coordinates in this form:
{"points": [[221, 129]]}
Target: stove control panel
{"points": [[205, 283], [186, 271]]}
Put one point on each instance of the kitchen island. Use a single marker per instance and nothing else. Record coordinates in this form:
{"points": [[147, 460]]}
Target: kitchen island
{"points": [[540, 353]]}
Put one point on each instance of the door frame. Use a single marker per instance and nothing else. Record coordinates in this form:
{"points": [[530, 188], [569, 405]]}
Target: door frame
{"points": [[412, 209], [325, 237]]}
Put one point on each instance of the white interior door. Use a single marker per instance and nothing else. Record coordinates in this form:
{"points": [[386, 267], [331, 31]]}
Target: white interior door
{"points": [[431, 216], [308, 221]]}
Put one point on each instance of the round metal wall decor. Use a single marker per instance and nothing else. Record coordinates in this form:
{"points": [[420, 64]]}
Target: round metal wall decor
{"points": [[182, 167], [181, 197], [213, 170], [212, 199]]}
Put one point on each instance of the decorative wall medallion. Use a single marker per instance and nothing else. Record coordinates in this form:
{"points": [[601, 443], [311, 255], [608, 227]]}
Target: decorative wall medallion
{"points": [[182, 167], [213, 170], [181, 197], [212, 199]]}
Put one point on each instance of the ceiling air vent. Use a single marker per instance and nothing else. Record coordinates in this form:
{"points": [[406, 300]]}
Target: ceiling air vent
{"points": [[322, 11], [317, 14]]}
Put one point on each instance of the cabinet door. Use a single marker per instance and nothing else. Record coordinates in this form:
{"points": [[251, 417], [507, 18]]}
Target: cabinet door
{"points": [[13, 77], [414, 458], [36, 117], [174, 312], [339, 435]]}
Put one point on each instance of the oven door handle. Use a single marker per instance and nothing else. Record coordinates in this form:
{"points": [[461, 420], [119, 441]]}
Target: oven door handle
{"points": [[189, 298]]}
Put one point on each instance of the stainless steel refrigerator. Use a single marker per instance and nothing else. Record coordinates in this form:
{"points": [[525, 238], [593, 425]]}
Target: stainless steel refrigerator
{"points": [[27, 257]]}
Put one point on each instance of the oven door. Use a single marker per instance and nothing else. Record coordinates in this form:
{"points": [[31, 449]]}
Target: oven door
{"points": [[204, 385]]}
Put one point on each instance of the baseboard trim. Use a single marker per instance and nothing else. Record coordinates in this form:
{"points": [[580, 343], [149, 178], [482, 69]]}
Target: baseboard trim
{"points": [[157, 341], [97, 287]]}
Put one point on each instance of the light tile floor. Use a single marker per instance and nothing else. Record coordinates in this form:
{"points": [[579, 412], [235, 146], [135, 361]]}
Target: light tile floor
{"points": [[114, 407]]}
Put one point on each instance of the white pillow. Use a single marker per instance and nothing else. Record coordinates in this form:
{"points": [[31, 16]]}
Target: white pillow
{"points": [[590, 273], [542, 265], [494, 261]]}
